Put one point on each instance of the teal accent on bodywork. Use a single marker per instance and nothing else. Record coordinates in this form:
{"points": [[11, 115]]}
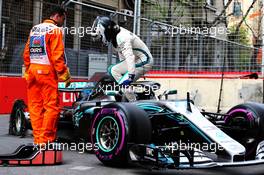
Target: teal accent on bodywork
{"points": [[111, 93], [77, 118], [90, 111], [61, 85], [149, 106], [146, 106]]}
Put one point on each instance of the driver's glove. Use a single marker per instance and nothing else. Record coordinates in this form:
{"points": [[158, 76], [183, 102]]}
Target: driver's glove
{"points": [[129, 80]]}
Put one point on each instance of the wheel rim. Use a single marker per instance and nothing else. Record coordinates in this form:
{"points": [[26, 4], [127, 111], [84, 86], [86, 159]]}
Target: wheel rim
{"points": [[18, 120], [107, 134]]}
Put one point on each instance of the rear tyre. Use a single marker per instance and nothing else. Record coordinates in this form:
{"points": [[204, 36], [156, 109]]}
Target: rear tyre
{"points": [[17, 122], [115, 128], [247, 123]]}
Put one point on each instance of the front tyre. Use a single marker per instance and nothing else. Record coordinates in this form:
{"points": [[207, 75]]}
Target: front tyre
{"points": [[115, 126]]}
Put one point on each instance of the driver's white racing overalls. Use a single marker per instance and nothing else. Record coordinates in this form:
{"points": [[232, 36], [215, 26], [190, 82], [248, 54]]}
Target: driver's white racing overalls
{"points": [[135, 57]]}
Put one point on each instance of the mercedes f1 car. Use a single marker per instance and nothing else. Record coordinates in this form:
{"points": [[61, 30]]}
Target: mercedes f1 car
{"points": [[133, 124]]}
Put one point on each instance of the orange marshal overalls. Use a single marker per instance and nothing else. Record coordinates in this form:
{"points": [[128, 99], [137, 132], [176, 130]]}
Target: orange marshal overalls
{"points": [[44, 61]]}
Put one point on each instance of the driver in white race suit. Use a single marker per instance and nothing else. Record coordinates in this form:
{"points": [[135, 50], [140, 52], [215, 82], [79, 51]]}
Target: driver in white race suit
{"points": [[135, 57]]}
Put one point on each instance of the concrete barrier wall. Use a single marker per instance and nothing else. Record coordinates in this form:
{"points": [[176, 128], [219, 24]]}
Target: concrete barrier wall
{"points": [[205, 92]]}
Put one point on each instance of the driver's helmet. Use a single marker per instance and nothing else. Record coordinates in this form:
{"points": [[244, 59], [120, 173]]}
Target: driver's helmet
{"points": [[104, 28]]}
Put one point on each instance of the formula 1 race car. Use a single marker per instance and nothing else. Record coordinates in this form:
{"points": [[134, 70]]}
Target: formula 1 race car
{"points": [[134, 124]]}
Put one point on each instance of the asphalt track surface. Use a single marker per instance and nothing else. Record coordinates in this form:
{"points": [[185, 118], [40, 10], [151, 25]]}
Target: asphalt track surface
{"points": [[87, 164]]}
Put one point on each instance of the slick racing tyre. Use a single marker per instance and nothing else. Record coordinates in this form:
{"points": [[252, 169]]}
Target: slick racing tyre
{"points": [[17, 122], [115, 128], [247, 126]]}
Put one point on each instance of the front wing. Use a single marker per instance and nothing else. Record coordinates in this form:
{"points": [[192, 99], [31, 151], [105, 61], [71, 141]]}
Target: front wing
{"points": [[158, 157]]}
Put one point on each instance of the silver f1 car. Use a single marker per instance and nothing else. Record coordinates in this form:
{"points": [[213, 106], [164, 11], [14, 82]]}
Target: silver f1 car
{"points": [[135, 125]]}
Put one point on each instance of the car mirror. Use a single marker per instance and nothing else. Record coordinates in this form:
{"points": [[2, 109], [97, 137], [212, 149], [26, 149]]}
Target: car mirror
{"points": [[167, 93]]}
